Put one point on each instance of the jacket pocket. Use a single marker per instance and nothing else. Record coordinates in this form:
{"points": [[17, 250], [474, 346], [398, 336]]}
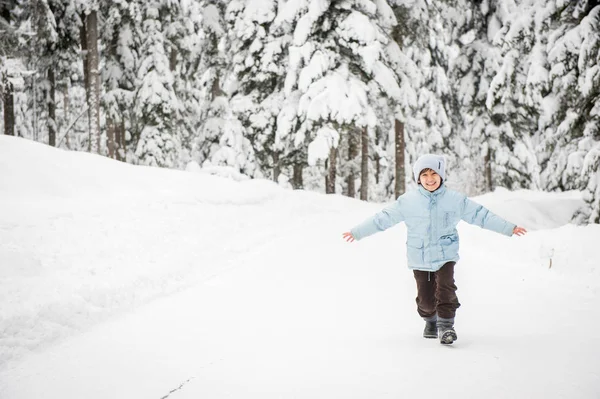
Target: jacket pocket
{"points": [[414, 251], [449, 245], [448, 219]]}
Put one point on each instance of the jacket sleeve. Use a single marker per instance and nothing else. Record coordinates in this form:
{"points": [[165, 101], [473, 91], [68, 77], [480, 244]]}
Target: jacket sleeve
{"points": [[477, 214], [383, 220]]}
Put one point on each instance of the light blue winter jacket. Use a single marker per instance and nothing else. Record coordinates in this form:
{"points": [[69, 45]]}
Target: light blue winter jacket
{"points": [[431, 219]]}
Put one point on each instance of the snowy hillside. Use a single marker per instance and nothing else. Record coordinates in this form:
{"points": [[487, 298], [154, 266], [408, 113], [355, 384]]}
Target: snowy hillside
{"points": [[119, 281]]}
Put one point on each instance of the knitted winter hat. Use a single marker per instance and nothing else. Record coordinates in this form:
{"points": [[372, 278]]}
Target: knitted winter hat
{"points": [[430, 161]]}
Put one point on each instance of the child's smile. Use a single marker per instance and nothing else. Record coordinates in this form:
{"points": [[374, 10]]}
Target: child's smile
{"points": [[430, 180]]}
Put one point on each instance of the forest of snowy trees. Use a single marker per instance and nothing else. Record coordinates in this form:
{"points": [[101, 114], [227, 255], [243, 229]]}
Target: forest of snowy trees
{"points": [[331, 95]]}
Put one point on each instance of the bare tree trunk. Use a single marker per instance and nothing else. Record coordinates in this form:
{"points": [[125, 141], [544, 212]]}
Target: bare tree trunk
{"points": [[487, 161], [91, 27], [9, 108], [8, 98], [66, 113], [297, 180], [51, 102], [34, 95], [173, 59], [216, 90], [66, 102], [364, 165], [276, 167], [400, 144], [121, 144], [400, 173], [377, 160], [110, 137], [84, 55], [330, 178], [352, 154], [86, 69]]}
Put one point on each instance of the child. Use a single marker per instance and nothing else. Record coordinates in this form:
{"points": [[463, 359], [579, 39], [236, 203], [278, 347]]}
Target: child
{"points": [[431, 214]]}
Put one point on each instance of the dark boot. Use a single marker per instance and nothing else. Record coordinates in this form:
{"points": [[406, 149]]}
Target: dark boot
{"points": [[446, 331], [431, 330]]}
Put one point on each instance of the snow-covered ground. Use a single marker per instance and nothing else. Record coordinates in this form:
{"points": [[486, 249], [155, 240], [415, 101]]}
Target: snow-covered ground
{"points": [[130, 282]]}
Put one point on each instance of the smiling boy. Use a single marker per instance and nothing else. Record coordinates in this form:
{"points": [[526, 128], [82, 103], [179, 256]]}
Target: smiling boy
{"points": [[431, 214]]}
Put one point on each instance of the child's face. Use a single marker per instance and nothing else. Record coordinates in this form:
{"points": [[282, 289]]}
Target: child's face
{"points": [[430, 180]]}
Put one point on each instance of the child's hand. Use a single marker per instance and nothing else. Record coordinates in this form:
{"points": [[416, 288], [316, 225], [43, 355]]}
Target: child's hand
{"points": [[348, 236], [520, 231]]}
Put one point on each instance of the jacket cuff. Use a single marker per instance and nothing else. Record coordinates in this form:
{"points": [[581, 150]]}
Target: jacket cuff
{"points": [[508, 230], [355, 234]]}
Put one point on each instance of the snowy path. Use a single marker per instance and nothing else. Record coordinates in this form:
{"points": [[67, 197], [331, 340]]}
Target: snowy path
{"points": [[314, 329], [264, 300]]}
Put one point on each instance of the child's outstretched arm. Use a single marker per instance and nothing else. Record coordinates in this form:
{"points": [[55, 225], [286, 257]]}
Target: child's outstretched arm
{"points": [[477, 214], [383, 220]]}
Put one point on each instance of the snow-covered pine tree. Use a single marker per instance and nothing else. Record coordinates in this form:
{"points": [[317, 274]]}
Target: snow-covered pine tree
{"points": [[474, 69], [52, 55], [338, 48], [89, 39], [121, 35], [15, 30], [556, 46], [10, 68], [156, 105], [574, 76], [183, 29], [425, 37], [218, 144], [184, 46], [43, 22], [68, 69], [406, 31], [258, 46], [513, 106], [574, 56]]}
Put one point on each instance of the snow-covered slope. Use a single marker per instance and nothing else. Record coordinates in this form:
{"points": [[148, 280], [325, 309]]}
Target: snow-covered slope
{"points": [[130, 282]]}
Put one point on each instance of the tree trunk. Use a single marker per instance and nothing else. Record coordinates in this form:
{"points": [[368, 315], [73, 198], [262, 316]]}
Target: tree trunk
{"points": [[9, 108], [110, 137], [352, 154], [276, 167], [377, 159], [364, 165], [400, 173], [8, 98], [120, 139], [84, 55], [173, 59], [66, 113], [297, 180], [91, 27], [216, 90], [330, 178], [487, 164], [51, 102], [34, 96]]}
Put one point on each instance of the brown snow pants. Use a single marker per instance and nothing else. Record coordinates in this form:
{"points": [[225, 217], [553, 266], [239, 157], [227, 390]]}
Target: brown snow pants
{"points": [[436, 292]]}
